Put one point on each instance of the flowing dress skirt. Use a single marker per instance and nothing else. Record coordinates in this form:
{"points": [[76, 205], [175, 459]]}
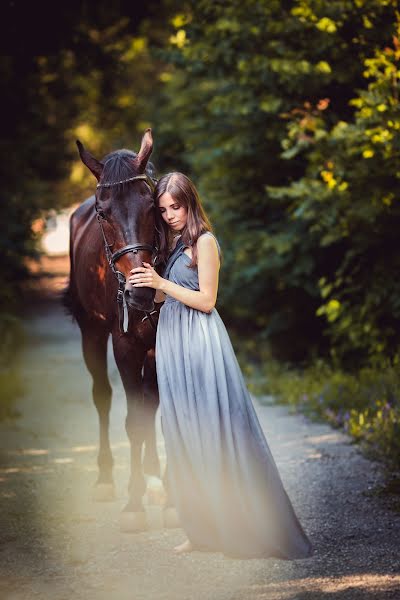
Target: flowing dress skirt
{"points": [[223, 478]]}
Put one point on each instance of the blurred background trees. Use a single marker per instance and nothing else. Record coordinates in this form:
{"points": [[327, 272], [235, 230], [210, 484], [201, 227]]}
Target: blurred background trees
{"points": [[67, 71], [286, 116]]}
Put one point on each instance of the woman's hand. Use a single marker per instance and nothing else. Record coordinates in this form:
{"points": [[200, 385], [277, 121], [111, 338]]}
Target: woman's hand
{"points": [[145, 276]]}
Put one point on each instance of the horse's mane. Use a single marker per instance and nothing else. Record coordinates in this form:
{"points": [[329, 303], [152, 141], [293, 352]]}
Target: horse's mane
{"points": [[118, 166]]}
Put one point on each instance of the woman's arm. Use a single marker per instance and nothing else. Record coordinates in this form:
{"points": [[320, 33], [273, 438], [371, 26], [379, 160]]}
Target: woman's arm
{"points": [[208, 265]]}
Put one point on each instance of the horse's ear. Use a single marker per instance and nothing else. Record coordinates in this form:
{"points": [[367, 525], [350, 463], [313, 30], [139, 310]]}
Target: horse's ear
{"points": [[145, 151], [94, 165]]}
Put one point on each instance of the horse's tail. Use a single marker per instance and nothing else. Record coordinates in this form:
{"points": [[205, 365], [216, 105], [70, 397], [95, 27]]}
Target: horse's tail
{"points": [[68, 295]]}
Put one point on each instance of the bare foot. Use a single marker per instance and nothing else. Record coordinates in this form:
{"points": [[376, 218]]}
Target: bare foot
{"points": [[185, 547]]}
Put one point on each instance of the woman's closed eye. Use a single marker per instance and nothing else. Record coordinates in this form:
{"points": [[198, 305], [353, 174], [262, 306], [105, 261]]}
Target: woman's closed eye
{"points": [[177, 207]]}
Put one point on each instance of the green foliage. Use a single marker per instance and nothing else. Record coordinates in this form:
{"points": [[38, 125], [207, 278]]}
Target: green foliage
{"points": [[348, 199], [259, 103]]}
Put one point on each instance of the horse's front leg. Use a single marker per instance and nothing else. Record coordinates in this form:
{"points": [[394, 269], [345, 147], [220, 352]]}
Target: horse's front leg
{"points": [[129, 356]]}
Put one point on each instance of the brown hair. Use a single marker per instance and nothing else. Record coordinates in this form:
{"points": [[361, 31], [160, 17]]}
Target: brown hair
{"points": [[184, 192]]}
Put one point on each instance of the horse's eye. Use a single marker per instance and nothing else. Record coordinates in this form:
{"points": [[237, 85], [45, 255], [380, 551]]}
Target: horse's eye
{"points": [[101, 212]]}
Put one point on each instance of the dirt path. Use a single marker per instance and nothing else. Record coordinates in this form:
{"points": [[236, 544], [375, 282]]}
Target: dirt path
{"points": [[56, 544]]}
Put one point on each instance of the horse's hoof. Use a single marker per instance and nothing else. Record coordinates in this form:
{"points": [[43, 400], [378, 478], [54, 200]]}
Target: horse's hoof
{"points": [[170, 517], [133, 522], [156, 497], [155, 493], [103, 492]]}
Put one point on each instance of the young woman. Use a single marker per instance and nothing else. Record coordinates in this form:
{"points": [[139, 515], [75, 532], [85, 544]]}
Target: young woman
{"points": [[222, 475]]}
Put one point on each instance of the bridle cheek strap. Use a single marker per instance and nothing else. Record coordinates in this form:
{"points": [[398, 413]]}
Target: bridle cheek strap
{"points": [[112, 258]]}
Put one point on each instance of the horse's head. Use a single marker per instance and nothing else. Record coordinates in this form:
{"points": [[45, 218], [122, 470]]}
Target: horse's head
{"points": [[126, 214]]}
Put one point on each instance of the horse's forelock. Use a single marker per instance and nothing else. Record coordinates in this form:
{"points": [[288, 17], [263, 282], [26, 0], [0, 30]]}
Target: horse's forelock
{"points": [[118, 166]]}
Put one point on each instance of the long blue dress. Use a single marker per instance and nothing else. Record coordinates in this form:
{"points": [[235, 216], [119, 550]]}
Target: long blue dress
{"points": [[223, 478]]}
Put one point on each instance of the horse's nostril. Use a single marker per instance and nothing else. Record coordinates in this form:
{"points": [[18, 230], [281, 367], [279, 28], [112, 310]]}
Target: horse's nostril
{"points": [[128, 287], [139, 299], [132, 294]]}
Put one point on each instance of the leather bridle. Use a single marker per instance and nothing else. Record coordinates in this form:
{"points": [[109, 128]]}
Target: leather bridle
{"points": [[113, 257]]}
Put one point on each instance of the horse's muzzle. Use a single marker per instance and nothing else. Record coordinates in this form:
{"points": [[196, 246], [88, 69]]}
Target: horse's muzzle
{"points": [[139, 298]]}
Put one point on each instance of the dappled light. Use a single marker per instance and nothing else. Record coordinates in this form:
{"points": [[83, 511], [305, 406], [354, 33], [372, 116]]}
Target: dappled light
{"points": [[83, 449], [368, 583], [32, 451]]}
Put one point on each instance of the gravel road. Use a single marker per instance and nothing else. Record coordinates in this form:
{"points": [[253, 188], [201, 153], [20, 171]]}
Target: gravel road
{"points": [[57, 544]]}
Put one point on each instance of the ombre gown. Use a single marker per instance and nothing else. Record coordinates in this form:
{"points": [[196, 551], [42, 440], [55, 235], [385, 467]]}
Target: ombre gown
{"points": [[223, 478]]}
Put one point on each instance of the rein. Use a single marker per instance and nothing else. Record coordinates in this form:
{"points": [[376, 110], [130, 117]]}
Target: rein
{"points": [[112, 257]]}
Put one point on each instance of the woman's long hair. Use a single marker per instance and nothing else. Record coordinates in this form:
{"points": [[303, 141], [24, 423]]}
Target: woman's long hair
{"points": [[184, 192]]}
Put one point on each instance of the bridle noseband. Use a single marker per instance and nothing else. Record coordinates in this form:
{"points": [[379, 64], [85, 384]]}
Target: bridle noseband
{"points": [[112, 257]]}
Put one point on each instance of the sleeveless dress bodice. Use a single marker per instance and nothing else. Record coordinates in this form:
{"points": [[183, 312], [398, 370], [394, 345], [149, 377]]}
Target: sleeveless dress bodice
{"points": [[178, 271]]}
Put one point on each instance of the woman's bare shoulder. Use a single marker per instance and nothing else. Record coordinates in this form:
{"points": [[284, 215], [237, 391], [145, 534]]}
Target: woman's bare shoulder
{"points": [[208, 234]]}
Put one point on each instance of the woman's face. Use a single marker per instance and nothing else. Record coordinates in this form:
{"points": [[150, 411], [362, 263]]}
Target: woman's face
{"points": [[172, 212]]}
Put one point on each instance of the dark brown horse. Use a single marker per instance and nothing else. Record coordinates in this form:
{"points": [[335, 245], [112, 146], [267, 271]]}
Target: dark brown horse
{"points": [[110, 234]]}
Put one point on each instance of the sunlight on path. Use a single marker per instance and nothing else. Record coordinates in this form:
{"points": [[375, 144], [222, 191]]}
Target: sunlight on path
{"points": [[367, 583]]}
